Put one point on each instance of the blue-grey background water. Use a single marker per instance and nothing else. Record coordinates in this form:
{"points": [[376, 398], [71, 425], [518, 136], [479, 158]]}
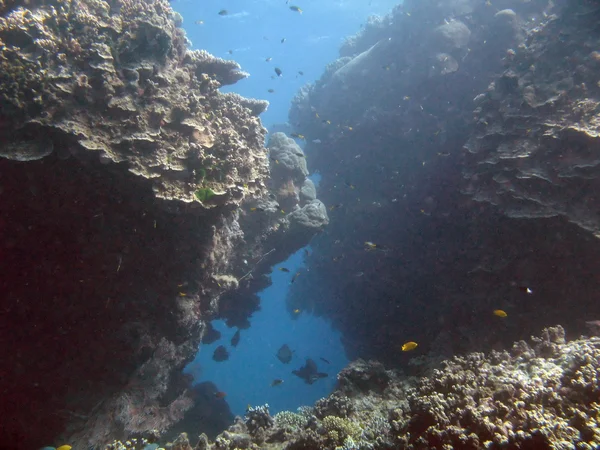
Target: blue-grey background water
{"points": [[250, 33]]}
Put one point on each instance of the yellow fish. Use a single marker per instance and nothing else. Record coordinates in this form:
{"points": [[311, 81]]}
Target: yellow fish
{"points": [[370, 245], [64, 447], [296, 311], [181, 294], [500, 313], [408, 346]]}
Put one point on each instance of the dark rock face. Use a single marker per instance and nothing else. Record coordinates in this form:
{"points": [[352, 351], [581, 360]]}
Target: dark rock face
{"points": [[123, 174], [461, 139]]}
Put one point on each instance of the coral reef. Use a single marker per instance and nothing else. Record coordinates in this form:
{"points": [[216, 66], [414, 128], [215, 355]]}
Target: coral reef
{"points": [[124, 175], [542, 394], [461, 140]]}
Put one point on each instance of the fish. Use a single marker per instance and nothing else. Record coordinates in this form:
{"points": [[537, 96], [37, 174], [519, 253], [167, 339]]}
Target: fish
{"points": [[296, 275], [500, 313], [64, 447], [230, 52], [296, 9], [199, 22], [328, 122], [300, 155], [282, 40], [443, 153], [284, 269], [317, 141], [350, 185], [270, 91], [408, 346], [235, 340], [336, 206], [300, 72], [297, 135], [220, 394], [309, 372], [268, 59], [324, 360], [221, 354], [284, 354], [306, 252], [276, 382], [297, 311], [223, 12], [278, 71], [373, 246], [525, 290]]}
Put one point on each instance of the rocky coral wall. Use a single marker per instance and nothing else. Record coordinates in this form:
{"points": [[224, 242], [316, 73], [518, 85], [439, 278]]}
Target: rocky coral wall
{"points": [[123, 172], [457, 136]]}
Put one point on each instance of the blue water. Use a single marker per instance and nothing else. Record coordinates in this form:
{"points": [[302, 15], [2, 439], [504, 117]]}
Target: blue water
{"points": [[253, 30]]}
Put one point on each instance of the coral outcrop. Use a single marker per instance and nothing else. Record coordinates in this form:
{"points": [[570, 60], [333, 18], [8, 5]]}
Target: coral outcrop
{"points": [[540, 394], [124, 171], [459, 139]]}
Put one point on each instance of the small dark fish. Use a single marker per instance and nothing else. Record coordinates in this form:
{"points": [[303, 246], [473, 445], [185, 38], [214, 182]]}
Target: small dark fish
{"points": [[271, 91], [235, 340], [221, 354], [297, 135], [223, 12], [525, 290], [284, 354], [300, 72], [268, 59], [309, 372], [306, 252], [278, 71], [276, 382], [296, 9], [284, 269], [220, 394], [282, 40], [444, 154], [332, 207], [350, 185], [230, 52], [301, 155], [324, 360], [296, 275]]}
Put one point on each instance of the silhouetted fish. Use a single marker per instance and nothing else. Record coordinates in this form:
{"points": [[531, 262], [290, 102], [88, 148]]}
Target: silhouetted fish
{"points": [[284, 354], [235, 340], [221, 354], [309, 372], [324, 360]]}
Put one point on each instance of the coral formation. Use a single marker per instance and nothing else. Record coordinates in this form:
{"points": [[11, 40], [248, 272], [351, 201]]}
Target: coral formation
{"points": [[543, 394], [467, 154], [131, 169]]}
